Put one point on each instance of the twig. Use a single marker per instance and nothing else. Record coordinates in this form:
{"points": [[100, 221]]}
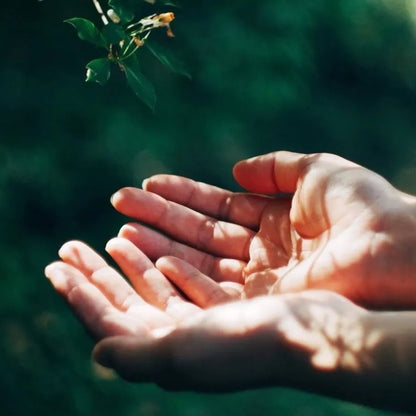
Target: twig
{"points": [[100, 11]]}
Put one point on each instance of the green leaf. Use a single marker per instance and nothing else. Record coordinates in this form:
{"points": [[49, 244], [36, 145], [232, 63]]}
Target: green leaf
{"points": [[113, 33], [124, 12], [141, 86], [98, 70], [87, 31], [166, 57]]}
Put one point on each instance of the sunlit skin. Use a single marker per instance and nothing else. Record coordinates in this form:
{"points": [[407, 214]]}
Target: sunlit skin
{"points": [[313, 340], [331, 224], [181, 322]]}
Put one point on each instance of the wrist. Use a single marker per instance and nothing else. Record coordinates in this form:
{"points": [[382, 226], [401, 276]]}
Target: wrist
{"points": [[386, 375], [394, 349], [371, 360]]}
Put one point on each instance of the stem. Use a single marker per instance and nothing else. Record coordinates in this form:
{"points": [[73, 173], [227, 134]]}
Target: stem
{"points": [[124, 57], [100, 11]]}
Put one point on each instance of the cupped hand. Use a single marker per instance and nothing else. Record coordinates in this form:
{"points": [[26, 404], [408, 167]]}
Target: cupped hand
{"points": [[330, 224], [269, 340], [314, 340], [147, 332]]}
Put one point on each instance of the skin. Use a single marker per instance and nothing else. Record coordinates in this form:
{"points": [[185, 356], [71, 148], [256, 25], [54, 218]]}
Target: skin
{"points": [[199, 319], [315, 340], [331, 224]]}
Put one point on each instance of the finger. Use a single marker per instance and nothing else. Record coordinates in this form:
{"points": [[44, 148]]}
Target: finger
{"points": [[183, 224], [219, 203], [82, 257], [135, 359], [271, 173], [96, 269], [280, 171], [199, 288], [116, 288], [92, 307], [148, 281], [156, 245]]}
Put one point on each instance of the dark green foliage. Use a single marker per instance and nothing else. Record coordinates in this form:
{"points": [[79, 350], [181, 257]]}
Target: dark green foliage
{"points": [[123, 41], [113, 34], [323, 75], [98, 71], [166, 57], [138, 82], [87, 31]]}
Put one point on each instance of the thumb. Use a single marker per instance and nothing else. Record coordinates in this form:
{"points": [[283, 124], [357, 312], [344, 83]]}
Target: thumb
{"points": [[134, 358], [270, 173]]}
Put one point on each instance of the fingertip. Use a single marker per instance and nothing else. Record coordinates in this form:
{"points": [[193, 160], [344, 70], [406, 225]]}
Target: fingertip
{"points": [[175, 264], [162, 263], [152, 181], [57, 277], [119, 246], [239, 166], [127, 231], [170, 265], [114, 199], [166, 260], [145, 183], [49, 270], [102, 354], [65, 248], [69, 248], [255, 175], [120, 196], [269, 173], [114, 244]]}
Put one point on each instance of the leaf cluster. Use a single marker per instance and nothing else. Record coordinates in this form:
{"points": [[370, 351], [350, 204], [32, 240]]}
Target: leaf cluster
{"points": [[123, 38]]}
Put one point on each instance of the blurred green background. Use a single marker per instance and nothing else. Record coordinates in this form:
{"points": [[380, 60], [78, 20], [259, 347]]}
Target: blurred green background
{"points": [[324, 75]]}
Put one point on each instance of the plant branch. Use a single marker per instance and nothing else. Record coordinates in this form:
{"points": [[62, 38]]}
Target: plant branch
{"points": [[100, 11]]}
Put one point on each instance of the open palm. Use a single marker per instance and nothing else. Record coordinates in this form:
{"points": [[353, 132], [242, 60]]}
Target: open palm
{"points": [[333, 225]]}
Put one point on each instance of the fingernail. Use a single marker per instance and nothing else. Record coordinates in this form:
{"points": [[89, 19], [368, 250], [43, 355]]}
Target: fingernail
{"points": [[113, 198], [113, 242], [48, 271], [126, 230], [144, 183], [57, 278]]}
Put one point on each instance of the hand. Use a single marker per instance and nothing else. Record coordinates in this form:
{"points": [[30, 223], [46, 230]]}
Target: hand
{"points": [[342, 228], [149, 333], [314, 340]]}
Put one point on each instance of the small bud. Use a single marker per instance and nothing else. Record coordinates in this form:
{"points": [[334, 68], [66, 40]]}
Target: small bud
{"points": [[114, 17], [138, 42], [166, 17]]}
